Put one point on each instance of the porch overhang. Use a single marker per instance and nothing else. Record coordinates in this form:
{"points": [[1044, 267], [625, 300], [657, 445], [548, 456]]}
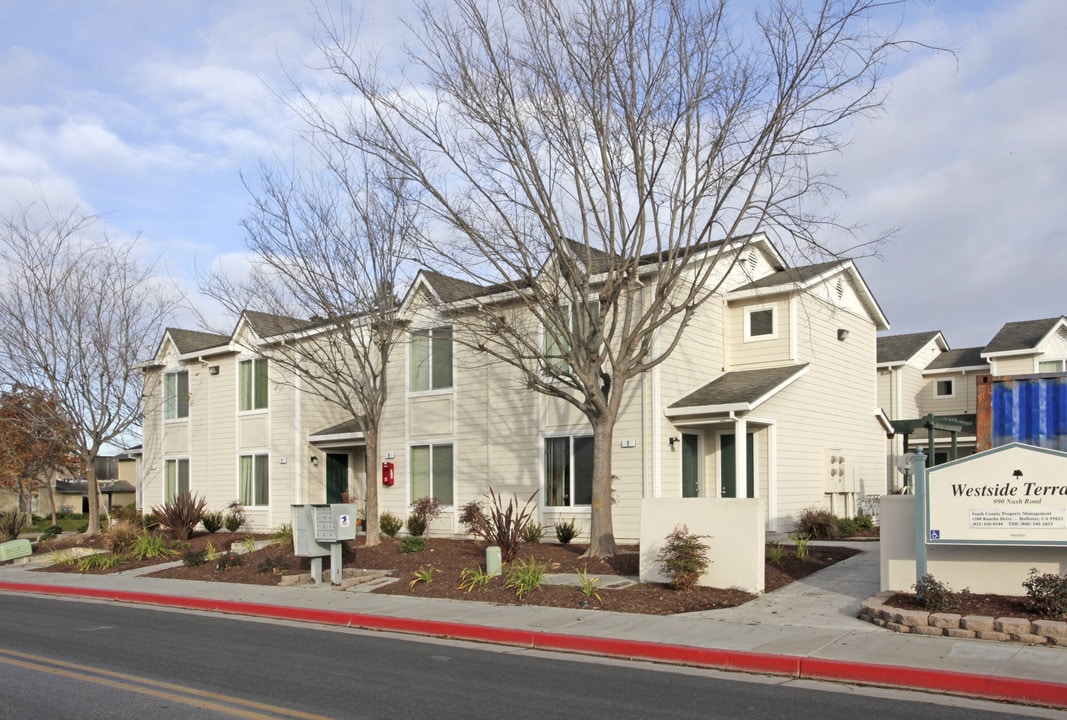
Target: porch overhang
{"points": [[736, 393], [342, 434]]}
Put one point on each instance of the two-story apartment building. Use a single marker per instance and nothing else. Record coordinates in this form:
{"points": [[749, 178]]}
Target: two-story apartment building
{"points": [[769, 395]]}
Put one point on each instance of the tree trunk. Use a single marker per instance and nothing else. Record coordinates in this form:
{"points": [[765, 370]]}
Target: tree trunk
{"points": [[601, 529], [373, 536], [94, 497]]}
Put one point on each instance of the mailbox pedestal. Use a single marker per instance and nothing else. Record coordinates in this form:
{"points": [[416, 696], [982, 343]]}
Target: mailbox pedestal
{"points": [[319, 530]]}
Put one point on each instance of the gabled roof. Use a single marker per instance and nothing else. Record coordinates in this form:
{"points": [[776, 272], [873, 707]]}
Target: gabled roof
{"points": [[267, 325], [188, 341], [449, 289], [898, 349], [1019, 337], [957, 360], [790, 277], [739, 390]]}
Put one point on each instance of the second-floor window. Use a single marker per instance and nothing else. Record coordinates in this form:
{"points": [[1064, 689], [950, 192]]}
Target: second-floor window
{"points": [[176, 395], [556, 344], [430, 359], [759, 323], [945, 388], [252, 384], [1046, 366], [175, 478]]}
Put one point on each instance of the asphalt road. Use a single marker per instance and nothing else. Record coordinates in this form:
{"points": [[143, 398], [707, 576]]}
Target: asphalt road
{"points": [[71, 659]]}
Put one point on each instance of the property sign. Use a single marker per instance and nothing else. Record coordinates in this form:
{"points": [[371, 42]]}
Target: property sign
{"points": [[1012, 495]]}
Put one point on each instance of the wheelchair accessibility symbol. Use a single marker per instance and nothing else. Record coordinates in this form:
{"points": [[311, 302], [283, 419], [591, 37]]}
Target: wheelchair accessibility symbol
{"points": [[935, 534]]}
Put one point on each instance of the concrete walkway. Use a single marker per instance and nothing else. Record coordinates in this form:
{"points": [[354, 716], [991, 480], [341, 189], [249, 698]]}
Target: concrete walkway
{"points": [[806, 629]]}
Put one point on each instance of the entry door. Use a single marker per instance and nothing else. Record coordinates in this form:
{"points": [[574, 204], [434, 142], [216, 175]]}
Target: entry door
{"points": [[336, 476], [727, 469], [690, 465]]}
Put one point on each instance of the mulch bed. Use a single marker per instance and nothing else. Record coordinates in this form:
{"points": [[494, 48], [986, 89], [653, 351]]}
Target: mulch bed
{"points": [[447, 558], [995, 606]]}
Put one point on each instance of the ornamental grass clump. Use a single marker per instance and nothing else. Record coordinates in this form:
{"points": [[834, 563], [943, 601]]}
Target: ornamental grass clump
{"points": [[684, 558]]}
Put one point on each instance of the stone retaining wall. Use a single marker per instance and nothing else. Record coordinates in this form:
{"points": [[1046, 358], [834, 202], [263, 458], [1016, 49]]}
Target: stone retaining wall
{"points": [[919, 622]]}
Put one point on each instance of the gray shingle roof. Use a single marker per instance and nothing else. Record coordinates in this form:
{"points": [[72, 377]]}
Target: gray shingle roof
{"points": [[899, 348], [341, 428], [267, 325], [188, 341], [962, 358], [738, 387], [791, 276], [1023, 335]]}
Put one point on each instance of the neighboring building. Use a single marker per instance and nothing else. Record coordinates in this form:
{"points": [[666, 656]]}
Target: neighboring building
{"points": [[770, 394], [919, 375]]}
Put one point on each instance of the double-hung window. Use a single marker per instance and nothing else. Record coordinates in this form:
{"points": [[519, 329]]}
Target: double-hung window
{"points": [[431, 472], [252, 384], [557, 344], [254, 480], [430, 359], [569, 471], [175, 478], [176, 395]]}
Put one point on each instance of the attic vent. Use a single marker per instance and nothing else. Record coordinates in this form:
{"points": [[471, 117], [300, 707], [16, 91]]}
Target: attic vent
{"points": [[1062, 332], [751, 260], [840, 289]]}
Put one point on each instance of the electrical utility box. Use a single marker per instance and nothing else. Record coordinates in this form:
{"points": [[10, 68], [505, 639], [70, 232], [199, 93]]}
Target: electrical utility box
{"points": [[318, 531]]}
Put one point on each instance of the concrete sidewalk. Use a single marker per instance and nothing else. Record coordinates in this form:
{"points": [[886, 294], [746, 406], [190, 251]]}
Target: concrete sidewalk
{"points": [[807, 629]]}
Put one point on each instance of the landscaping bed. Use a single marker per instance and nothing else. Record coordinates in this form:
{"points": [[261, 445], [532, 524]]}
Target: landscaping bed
{"points": [[444, 561]]}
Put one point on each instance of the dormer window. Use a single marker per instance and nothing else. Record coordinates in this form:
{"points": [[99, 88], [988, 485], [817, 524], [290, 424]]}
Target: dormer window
{"points": [[176, 395]]}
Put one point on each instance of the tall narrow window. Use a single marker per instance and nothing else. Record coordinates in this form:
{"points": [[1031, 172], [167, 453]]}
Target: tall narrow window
{"points": [[254, 480], [176, 395], [430, 359], [568, 471], [557, 344], [431, 472], [252, 384], [175, 478]]}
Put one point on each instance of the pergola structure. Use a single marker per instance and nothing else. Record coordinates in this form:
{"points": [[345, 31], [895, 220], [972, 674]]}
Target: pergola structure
{"points": [[931, 423]]}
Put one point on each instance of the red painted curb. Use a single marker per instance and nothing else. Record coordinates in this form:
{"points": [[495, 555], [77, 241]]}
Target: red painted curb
{"points": [[980, 686]]}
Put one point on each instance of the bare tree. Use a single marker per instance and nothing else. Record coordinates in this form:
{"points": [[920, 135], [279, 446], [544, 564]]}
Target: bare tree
{"points": [[331, 243], [77, 310], [586, 155]]}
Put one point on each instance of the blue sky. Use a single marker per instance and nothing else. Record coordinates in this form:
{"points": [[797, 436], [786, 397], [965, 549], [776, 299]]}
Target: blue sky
{"points": [[147, 113]]}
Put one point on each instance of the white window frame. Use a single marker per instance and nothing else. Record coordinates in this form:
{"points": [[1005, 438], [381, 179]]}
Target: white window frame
{"points": [[254, 364], [257, 461], [430, 334], [432, 447], [169, 493], [1059, 366], [175, 402], [570, 504], [750, 311], [547, 336], [937, 388]]}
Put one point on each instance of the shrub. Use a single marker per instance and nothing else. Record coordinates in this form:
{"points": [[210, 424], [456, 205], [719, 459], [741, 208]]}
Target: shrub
{"points": [[192, 558], [127, 513], [212, 520], [11, 524], [801, 542], [532, 532], [505, 527], [474, 577], [684, 557], [283, 536], [817, 523], [864, 522], [181, 514], [523, 576], [99, 561], [412, 543], [50, 532], [566, 531], [272, 564], [1047, 594], [234, 517], [846, 527], [588, 585], [416, 525], [227, 560], [425, 510], [390, 523], [423, 575], [774, 552], [934, 595], [122, 535]]}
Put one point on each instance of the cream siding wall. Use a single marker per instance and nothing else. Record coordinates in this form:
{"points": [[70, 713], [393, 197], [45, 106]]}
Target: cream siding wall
{"points": [[965, 396], [1013, 365]]}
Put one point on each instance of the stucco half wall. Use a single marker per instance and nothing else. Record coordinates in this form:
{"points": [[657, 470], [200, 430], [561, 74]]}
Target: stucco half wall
{"points": [[736, 537], [991, 569]]}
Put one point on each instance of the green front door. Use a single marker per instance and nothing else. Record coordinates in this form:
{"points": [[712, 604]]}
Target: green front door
{"points": [[690, 465], [336, 476], [728, 470]]}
